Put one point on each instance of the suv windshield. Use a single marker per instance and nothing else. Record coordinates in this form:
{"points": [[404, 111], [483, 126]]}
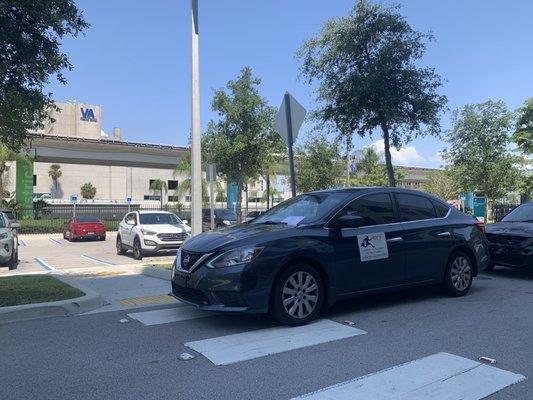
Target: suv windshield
{"points": [[306, 208], [524, 213], [2, 221], [87, 219], [158, 219], [226, 214]]}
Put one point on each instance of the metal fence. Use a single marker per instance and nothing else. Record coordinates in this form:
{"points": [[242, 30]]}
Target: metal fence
{"points": [[501, 210], [51, 218]]}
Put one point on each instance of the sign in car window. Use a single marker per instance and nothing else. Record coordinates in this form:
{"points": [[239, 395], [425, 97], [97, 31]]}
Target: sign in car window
{"points": [[372, 246]]}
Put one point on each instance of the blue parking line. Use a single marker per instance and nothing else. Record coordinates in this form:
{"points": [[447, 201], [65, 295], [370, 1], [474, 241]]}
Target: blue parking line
{"points": [[44, 265], [108, 263], [23, 242], [55, 241]]}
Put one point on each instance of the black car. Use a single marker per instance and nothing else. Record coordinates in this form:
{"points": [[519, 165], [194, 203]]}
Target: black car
{"points": [[223, 217], [511, 239], [325, 246], [252, 215]]}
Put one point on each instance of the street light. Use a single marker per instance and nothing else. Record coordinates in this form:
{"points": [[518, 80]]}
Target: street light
{"points": [[196, 161]]}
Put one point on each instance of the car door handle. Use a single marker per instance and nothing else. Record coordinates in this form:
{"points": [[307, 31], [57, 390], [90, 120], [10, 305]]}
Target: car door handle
{"points": [[395, 240], [444, 234]]}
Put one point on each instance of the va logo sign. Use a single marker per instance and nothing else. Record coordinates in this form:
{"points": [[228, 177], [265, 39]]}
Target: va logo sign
{"points": [[87, 114]]}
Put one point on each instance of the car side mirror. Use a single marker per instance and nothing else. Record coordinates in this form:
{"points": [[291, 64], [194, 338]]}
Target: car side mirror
{"points": [[350, 221], [15, 225], [186, 222], [130, 222]]}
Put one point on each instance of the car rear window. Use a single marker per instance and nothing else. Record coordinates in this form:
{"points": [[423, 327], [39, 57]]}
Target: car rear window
{"points": [[87, 219], [376, 209], [441, 209], [414, 208]]}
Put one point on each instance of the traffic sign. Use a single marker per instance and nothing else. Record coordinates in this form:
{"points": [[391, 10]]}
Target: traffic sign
{"points": [[211, 173], [297, 116], [74, 198], [128, 200]]}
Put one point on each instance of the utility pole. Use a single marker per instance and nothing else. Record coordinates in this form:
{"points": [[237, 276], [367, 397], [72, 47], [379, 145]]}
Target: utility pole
{"points": [[196, 161]]}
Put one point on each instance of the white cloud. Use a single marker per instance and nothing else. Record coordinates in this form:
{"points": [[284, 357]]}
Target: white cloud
{"points": [[408, 156]]}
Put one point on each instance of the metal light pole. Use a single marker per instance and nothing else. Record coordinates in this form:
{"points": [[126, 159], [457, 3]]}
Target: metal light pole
{"points": [[196, 161]]}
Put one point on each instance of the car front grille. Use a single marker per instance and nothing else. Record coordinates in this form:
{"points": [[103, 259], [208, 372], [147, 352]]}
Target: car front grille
{"points": [[189, 294], [505, 240], [172, 237], [188, 259]]}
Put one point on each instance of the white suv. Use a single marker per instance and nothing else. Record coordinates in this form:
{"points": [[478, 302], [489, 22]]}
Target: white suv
{"points": [[150, 232]]}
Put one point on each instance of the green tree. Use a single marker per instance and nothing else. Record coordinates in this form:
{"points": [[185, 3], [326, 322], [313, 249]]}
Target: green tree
{"points": [[160, 187], [367, 67], [183, 167], [88, 191], [443, 184], [478, 150], [370, 169], [318, 164], [5, 155], [523, 135], [238, 143], [30, 35], [55, 173]]}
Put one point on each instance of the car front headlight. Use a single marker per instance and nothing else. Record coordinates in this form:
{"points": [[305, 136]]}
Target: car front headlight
{"points": [[3, 236], [148, 232], [241, 255], [226, 222]]}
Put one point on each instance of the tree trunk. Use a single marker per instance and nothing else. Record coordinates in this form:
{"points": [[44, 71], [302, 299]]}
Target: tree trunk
{"points": [[2, 170], [348, 147], [268, 190], [239, 199], [246, 197], [161, 198], [388, 159]]}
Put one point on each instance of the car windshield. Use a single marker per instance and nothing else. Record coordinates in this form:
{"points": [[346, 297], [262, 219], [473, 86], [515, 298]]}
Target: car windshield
{"points": [[306, 208], [87, 219], [2, 221], [10, 215], [226, 214], [524, 213], [159, 218]]}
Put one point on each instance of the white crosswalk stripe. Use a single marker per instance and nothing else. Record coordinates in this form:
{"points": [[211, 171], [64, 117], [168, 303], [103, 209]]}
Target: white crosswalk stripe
{"points": [[168, 315], [249, 345], [441, 376]]}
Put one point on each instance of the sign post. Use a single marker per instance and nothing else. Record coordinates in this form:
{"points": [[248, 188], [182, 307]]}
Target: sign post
{"points": [[289, 119], [128, 200], [211, 176], [74, 200]]}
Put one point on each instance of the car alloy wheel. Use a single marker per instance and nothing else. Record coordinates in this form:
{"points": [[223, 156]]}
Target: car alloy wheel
{"points": [[461, 273], [137, 251], [300, 295], [120, 249]]}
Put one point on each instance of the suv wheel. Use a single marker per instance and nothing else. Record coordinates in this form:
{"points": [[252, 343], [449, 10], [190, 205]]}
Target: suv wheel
{"points": [[297, 296], [13, 261], [120, 248], [459, 275], [137, 249]]}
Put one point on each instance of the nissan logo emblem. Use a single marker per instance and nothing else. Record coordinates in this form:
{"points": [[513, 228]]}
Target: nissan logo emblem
{"points": [[186, 259]]}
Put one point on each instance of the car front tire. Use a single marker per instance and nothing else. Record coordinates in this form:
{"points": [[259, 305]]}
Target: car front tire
{"points": [[137, 249], [120, 247], [459, 274], [13, 261], [297, 296]]}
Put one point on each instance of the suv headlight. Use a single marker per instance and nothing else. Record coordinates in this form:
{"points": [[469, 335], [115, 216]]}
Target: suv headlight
{"points": [[237, 256], [3, 236], [148, 232], [226, 222]]}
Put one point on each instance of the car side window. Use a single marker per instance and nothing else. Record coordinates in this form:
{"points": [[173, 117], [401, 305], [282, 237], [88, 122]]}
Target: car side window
{"points": [[376, 209], [131, 218], [414, 207], [441, 209]]}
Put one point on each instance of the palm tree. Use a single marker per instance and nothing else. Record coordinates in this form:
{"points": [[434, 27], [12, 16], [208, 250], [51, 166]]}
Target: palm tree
{"points": [[159, 186], [271, 193], [368, 160], [5, 155], [55, 173], [183, 167]]}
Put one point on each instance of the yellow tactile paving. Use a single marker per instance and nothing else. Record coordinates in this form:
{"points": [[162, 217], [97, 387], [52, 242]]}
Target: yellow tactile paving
{"points": [[144, 300]]}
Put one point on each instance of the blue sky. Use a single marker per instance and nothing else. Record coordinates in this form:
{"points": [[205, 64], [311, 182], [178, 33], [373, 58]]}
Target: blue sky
{"points": [[134, 59]]}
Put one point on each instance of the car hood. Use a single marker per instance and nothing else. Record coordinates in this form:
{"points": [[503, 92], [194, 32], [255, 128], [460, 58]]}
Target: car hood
{"points": [[167, 228], [235, 235], [510, 229]]}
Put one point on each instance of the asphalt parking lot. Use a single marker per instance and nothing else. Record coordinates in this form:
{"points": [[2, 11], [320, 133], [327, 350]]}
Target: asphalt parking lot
{"points": [[246, 357]]}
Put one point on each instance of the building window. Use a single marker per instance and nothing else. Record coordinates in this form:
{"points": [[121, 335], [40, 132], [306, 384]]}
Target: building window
{"points": [[175, 199], [151, 183], [152, 197], [172, 185], [188, 199], [34, 180]]}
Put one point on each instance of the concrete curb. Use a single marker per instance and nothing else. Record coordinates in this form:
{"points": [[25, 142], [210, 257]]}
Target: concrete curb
{"points": [[154, 272], [91, 301]]}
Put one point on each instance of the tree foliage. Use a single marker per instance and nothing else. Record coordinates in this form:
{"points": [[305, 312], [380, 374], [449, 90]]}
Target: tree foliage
{"points": [[478, 149], [241, 141], [54, 172], [367, 66], [371, 171], [6, 154], [30, 35], [160, 187], [88, 191], [443, 184], [523, 135], [318, 164]]}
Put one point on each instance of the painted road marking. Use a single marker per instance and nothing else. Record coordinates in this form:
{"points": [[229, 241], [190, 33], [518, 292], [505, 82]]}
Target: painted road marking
{"points": [[23, 242], [168, 315], [147, 300], [98, 260], [437, 377], [56, 242], [249, 345], [44, 265]]}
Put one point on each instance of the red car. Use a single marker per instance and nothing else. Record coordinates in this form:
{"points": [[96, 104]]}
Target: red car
{"points": [[83, 227]]}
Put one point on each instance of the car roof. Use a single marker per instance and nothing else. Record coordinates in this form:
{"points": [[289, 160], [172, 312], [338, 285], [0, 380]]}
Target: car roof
{"points": [[154, 212], [380, 189]]}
